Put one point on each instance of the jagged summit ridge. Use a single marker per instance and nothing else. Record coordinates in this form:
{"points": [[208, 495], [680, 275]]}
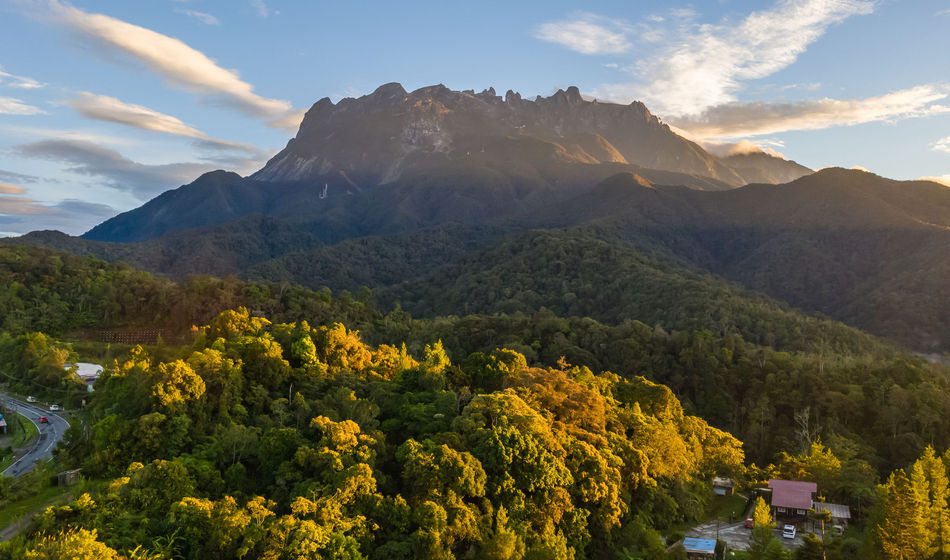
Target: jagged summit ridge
{"points": [[390, 133]]}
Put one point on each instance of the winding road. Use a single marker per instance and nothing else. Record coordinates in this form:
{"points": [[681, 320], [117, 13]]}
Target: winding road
{"points": [[42, 447]]}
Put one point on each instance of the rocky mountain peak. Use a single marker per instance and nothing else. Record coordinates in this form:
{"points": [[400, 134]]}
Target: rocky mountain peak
{"points": [[389, 134]]}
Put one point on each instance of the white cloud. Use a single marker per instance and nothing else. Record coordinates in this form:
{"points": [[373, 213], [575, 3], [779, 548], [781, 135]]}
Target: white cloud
{"points": [[104, 108], [706, 65], [21, 82], [14, 106], [260, 7], [203, 17], [587, 34], [736, 120], [942, 145], [179, 64], [742, 147], [110, 109], [289, 121]]}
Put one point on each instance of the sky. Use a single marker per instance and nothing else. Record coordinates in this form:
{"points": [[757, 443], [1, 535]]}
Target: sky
{"points": [[104, 105]]}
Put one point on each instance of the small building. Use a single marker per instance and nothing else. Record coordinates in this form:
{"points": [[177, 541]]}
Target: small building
{"points": [[89, 373], [840, 514], [3, 424], [699, 549], [723, 486], [68, 478], [791, 499]]}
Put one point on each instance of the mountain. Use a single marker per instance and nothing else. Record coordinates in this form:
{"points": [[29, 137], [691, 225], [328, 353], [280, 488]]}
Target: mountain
{"points": [[391, 134], [393, 160], [411, 194]]}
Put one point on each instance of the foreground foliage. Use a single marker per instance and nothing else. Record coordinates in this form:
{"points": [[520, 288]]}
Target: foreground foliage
{"points": [[285, 441]]}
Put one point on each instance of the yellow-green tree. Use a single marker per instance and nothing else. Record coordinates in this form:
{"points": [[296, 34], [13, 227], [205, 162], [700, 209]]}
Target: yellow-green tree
{"points": [[175, 383], [74, 544], [929, 480], [762, 541], [902, 531]]}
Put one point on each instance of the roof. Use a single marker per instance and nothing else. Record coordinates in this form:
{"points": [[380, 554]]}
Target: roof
{"points": [[88, 371], [794, 494], [723, 481], [838, 511], [699, 545]]}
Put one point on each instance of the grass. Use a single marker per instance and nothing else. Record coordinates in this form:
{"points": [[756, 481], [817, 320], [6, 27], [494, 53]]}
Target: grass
{"points": [[12, 511], [24, 431], [726, 508], [35, 500]]}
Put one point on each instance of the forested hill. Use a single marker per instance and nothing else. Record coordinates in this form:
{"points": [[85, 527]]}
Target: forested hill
{"points": [[714, 359], [349, 433], [850, 245]]}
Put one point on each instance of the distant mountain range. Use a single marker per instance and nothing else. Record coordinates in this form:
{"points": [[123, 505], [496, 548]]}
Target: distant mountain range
{"points": [[392, 160], [459, 202]]}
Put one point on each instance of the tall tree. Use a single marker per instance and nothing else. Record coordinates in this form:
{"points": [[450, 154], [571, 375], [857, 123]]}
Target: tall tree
{"points": [[929, 480], [902, 531]]}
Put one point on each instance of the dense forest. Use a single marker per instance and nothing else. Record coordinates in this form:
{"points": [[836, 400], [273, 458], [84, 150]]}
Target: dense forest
{"points": [[277, 422]]}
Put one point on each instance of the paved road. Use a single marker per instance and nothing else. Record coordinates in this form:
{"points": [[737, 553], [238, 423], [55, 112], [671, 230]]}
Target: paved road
{"points": [[42, 446]]}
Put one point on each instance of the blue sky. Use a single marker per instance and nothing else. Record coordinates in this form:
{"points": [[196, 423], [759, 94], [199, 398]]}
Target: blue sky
{"points": [[104, 105]]}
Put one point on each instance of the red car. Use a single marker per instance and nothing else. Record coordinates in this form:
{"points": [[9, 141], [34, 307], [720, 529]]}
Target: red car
{"points": [[44, 420], [748, 523]]}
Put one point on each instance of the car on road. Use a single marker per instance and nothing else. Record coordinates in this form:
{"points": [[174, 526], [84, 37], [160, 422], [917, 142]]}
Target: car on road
{"points": [[54, 407], [748, 523], [31, 399], [788, 532], [44, 420]]}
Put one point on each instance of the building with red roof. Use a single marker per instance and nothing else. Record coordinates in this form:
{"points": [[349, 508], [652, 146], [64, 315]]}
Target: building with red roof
{"points": [[791, 498]]}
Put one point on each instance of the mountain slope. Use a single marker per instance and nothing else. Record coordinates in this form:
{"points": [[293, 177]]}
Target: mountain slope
{"points": [[391, 149]]}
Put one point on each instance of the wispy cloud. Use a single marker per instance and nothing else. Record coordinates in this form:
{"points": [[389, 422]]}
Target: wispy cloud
{"points": [[587, 34], [17, 177], [203, 17], [734, 120], [22, 82], [20, 215], [11, 189], [14, 106], [27, 132], [942, 145], [260, 7], [110, 109], [22, 206], [116, 171], [179, 64], [706, 65]]}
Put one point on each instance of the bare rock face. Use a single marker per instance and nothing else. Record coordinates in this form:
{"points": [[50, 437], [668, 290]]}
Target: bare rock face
{"points": [[390, 134]]}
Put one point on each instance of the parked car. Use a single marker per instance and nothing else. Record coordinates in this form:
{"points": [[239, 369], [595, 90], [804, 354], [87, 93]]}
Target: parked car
{"points": [[31, 399], [748, 523], [788, 532], [44, 420], [54, 407]]}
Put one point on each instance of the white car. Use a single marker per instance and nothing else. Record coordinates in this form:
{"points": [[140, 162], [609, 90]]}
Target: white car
{"points": [[55, 407], [788, 532], [31, 399]]}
